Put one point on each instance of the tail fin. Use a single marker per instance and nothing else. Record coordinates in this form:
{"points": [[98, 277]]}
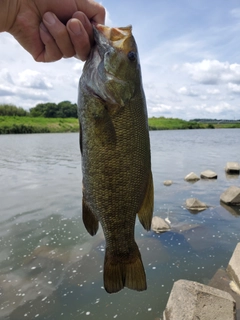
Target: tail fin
{"points": [[124, 272]]}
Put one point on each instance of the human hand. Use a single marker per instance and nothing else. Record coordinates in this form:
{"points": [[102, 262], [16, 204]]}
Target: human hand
{"points": [[51, 29]]}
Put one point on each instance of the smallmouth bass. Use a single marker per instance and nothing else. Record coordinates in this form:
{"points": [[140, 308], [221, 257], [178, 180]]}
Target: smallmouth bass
{"points": [[115, 149]]}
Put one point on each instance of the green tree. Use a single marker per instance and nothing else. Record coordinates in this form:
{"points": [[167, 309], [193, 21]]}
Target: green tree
{"points": [[51, 110], [66, 109], [38, 111], [12, 110]]}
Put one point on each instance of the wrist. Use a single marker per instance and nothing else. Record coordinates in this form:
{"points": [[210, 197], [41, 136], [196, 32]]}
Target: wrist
{"points": [[8, 14]]}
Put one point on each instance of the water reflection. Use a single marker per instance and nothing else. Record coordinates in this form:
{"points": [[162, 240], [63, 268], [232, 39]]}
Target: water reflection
{"points": [[234, 210], [50, 268]]}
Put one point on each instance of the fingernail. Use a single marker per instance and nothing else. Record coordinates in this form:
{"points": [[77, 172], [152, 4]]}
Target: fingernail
{"points": [[43, 27], [75, 27], [49, 18]]}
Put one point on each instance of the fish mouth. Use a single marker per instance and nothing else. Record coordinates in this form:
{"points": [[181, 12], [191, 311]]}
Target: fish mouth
{"points": [[120, 38]]}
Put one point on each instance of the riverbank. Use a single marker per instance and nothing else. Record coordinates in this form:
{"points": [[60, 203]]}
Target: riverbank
{"points": [[16, 124]]}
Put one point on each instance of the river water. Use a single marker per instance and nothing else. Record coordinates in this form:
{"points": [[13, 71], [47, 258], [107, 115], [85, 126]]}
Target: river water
{"points": [[50, 268]]}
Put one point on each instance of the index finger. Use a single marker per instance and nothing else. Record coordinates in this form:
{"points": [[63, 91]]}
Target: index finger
{"points": [[93, 10]]}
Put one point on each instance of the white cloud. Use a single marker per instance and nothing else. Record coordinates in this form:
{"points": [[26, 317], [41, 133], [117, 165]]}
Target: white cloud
{"points": [[188, 92], [78, 66], [213, 91], [6, 90], [222, 107], [33, 79], [213, 71], [161, 108], [234, 88], [203, 97], [5, 76]]}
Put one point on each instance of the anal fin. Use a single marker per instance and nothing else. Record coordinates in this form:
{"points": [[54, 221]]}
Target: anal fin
{"points": [[89, 219], [146, 211]]}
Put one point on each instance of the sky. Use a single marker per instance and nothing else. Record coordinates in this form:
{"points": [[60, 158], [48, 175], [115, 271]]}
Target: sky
{"points": [[189, 52]]}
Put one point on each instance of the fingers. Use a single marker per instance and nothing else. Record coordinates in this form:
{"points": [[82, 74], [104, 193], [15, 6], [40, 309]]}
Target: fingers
{"points": [[50, 51], [74, 39], [81, 34], [59, 40], [93, 10], [56, 40], [60, 35]]}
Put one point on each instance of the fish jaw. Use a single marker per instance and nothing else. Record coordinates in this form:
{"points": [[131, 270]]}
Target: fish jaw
{"points": [[119, 38], [113, 68]]}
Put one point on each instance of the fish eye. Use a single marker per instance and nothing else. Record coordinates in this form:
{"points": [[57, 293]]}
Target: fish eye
{"points": [[132, 56]]}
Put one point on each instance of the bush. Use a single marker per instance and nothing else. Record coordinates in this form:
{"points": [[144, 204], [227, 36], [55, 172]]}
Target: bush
{"points": [[11, 110], [210, 126], [22, 129]]}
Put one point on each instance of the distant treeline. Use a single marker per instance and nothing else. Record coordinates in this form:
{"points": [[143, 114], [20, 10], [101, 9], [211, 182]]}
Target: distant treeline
{"points": [[64, 109], [215, 120]]}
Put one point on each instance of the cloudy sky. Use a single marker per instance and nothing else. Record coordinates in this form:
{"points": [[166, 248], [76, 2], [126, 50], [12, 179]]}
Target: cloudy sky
{"points": [[189, 52]]}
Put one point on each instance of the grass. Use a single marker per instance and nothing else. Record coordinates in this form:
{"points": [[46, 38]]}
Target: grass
{"points": [[163, 123], [15, 124], [37, 125]]}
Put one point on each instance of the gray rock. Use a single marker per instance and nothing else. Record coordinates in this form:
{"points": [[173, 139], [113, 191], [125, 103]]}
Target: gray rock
{"points": [[191, 301], [222, 281], [159, 225], [233, 267], [231, 196], [232, 167], [193, 204], [168, 183], [208, 174], [191, 177]]}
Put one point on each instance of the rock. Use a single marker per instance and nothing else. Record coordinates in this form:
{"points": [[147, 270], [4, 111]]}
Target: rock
{"points": [[231, 196], [232, 167], [191, 177], [193, 204], [159, 225], [222, 281], [233, 267], [208, 174], [191, 300], [168, 183], [234, 287]]}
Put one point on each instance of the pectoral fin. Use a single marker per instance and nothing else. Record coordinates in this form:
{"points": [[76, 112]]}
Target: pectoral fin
{"points": [[105, 131], [89, 219], [101, 116], [146, 211]]}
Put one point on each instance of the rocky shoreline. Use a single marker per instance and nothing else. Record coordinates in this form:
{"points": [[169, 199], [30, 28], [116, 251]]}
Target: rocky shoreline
{"points": [[220, 299]]}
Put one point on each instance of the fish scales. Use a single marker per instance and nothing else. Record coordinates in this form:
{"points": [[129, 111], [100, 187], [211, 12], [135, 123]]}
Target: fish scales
{"points": [[115, 148]]}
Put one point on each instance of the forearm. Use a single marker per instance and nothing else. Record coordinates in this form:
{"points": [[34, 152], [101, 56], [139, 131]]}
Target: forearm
{"points": [[8, 13]]}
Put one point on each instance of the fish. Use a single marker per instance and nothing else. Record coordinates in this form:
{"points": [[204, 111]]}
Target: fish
{"points": [[117, 183]]}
